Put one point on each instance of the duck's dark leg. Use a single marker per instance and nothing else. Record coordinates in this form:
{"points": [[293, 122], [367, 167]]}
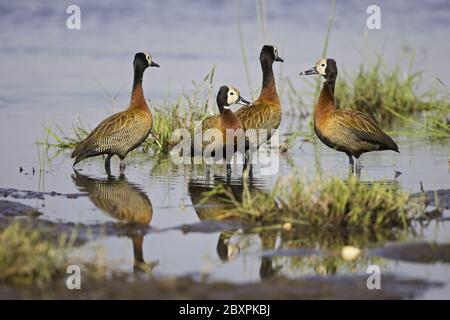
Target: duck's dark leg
{"points": [[139, 262], [245, 161], [108, 164], [228, 172], [207, 173], [350, 159], [351, 164], [122, 167], [358, 167]]}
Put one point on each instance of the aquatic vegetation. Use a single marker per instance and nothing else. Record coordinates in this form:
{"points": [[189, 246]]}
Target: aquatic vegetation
{"points": [[58, 138], [29, 258], [435, 124], [26, 258], [384, 93], [183, 113], [326, 204], [290, 140], [438, 122]]}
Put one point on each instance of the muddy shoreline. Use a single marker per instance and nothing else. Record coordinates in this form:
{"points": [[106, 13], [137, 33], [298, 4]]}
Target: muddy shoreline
{"points": [[342, 287]]}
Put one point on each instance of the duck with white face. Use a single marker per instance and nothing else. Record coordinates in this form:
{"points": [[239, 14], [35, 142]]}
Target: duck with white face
{"points": [[228, 96], [324, 67], [346, 130], [226, 124], [124, 131], [149, 59]]}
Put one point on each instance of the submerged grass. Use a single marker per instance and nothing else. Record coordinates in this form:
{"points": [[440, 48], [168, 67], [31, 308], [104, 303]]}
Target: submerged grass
{"points": [[325, 203]]}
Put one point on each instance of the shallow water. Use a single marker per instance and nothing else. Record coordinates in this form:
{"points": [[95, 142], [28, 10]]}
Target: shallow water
{"points": [[51, 73]]}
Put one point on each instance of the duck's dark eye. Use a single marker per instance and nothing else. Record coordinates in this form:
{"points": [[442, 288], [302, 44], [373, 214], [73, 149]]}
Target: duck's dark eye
{"points": [[231, 93], [322, 65]]}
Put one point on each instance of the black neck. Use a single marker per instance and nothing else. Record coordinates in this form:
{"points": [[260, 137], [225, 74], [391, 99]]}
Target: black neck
{"points": [[220, 105], [267, 71], [138, 74], [330, 83], [137, 94]]}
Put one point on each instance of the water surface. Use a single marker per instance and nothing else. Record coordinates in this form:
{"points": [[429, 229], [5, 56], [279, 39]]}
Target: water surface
{"points": [[50, 73]]}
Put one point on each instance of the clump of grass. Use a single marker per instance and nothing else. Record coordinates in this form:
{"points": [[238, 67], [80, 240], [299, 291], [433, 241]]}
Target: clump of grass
{"points": [[326, 203], [437, 123], [165, 122], [381, 92], [181, 114], [26, 258], [58, 138]]}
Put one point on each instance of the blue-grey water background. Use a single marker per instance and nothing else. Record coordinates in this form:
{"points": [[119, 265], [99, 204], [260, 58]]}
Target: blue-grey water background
{"points": [[50, 73]]}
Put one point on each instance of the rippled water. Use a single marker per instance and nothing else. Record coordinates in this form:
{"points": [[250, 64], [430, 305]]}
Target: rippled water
{"points": [[51, 73]]}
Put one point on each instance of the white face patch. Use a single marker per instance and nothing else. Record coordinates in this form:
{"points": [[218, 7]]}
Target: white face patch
{"points": [[321, 66], [233, 96], [275, 52], [148, 57]]}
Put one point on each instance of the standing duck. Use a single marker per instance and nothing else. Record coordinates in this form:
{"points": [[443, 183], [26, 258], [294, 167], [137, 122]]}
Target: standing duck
{"points": [[265, 112], [123, 131], [225, 122], [345, 130]]}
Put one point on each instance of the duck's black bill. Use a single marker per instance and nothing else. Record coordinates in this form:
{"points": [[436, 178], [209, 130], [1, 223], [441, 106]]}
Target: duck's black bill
{"points": [[309, 72], [279, 59], [243, 102], [154, 64]]}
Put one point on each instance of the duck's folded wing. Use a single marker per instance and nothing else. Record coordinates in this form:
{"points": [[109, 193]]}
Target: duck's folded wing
{"points": [[108, 130], [256, 117], [212, 122], [364, 127]]}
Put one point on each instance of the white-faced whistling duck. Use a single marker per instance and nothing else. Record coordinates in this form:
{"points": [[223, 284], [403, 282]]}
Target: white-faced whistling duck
{"points": [[123, 131], [346, 130], [265, 112], [227, 121]]}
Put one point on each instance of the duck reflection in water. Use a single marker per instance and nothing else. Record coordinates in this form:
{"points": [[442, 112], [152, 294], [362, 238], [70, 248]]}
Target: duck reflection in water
{"points": [[215, 209], [123, 201]]}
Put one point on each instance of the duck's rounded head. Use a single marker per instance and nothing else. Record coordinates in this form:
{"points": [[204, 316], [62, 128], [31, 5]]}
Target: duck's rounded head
{"points": [[270, 52], [324, 67], [144, 60], [229, 95]]}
